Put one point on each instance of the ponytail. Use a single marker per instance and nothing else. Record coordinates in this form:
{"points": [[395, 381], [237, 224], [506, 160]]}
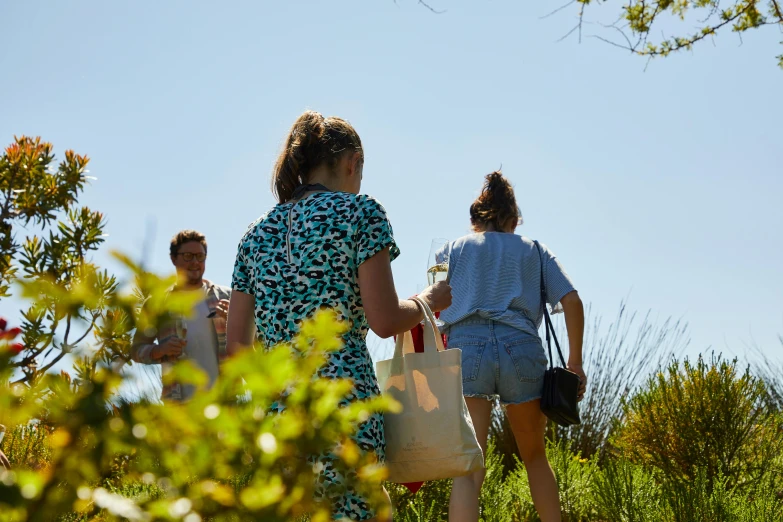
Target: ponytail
{"points": [[313, 141]]}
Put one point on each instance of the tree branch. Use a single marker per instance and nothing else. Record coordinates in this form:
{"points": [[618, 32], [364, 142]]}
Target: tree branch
{"points": [[34, 353], [569, 33], [678, 43], [29, 360], [86, 333], [615, 44], [692, 40], [569, 4], [54, 361], [428, 6], [619, 30], [778, 10]]}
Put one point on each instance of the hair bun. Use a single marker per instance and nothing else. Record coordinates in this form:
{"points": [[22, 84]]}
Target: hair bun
{"points": [[496, 206]]}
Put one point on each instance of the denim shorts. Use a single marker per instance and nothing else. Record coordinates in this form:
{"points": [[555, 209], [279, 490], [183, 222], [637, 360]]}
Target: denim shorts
{"points": [[499, 360]]}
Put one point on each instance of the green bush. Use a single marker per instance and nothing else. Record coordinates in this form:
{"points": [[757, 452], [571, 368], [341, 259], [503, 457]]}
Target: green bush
{"points": [[574, 478], [713, 499], [429, 504], [39, 198], [28, 446], [215, 457], [509, 498], [496, 495], [703, 416], [771, 372], [626, 492], [617, 359]]}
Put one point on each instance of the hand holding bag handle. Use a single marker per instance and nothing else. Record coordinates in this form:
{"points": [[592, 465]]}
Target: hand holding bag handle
{"points": [[432, 335], [433, 342], [559, 399]]}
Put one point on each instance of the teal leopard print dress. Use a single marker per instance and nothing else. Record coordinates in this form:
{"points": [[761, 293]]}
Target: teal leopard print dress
{"points": [[303, 256]]}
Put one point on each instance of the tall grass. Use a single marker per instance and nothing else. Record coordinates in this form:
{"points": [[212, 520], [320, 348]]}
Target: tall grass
{"points": [[27, 446], [771, 372], [617, 360]]}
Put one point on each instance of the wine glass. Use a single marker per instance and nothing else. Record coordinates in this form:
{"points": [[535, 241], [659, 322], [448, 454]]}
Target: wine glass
{"points": [[438, 266], [182, 331], [438, 261]]}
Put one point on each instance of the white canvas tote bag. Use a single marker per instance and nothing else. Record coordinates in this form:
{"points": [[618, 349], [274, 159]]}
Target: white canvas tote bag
{"points": [[433, 436]]}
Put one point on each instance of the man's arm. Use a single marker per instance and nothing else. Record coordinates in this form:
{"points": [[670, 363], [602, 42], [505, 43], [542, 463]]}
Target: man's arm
{"points": [[145, 350]]}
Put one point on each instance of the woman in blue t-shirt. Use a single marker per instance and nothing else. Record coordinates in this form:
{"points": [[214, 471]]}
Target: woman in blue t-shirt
{"points": [[495, 278]]}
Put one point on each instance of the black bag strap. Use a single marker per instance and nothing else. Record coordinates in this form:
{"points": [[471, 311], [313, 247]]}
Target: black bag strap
{"points": [[547, 320]]}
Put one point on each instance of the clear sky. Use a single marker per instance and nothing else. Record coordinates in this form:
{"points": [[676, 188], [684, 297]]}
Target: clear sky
{"points": [[662, 185]]}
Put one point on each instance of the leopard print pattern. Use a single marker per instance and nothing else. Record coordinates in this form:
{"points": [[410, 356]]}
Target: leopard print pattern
{"points": [[304, 256]]}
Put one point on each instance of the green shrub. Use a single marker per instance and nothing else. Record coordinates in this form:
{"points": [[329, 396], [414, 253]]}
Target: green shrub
{"points": [[626, 492], [496, 495], [703, 498], [771, 372], [510, 499], [713, 499], [703, 416], [430, 503], [574, 478], [39, 201], [617, 360], [214, 457], [28, 446], [521, 506]]}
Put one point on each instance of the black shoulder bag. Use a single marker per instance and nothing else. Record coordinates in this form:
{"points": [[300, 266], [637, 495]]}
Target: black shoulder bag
{"points": [[561, 386]]}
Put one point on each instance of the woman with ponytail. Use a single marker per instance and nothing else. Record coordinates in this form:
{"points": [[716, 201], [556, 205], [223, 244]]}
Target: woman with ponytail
{"points": [[325, 246], [495, 277]]}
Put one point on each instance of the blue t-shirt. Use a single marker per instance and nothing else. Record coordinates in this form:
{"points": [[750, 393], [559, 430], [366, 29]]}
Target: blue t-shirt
{"points": [[496, 276]]}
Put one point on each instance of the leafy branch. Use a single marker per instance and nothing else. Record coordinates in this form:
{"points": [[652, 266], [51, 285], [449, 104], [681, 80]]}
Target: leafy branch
{"points": [[41, 196], [640, 16]]}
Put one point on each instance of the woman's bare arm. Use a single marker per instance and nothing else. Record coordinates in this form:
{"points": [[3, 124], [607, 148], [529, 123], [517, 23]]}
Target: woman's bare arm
{"points": [[575, 326], [240, 329], [386, 313]]}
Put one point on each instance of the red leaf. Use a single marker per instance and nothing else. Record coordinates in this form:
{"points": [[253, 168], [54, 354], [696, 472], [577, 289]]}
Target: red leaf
{"points": [[10, 334]]}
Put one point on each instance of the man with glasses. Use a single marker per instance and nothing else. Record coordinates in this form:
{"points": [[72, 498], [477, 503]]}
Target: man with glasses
{"points": [[200, 337]]}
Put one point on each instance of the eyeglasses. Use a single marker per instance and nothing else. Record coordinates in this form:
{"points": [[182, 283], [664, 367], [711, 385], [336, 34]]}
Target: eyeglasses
{"points": [[189, 256]]}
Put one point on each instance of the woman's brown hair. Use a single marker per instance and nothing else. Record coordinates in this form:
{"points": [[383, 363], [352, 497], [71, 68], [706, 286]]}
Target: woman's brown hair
{"points": [[496, 206], [312, 142]]}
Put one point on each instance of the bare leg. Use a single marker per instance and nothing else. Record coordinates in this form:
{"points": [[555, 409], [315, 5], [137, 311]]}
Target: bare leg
{"points": [[529, 424], [464, 502]]}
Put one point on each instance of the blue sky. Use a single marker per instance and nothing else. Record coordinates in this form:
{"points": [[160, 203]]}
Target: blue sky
{"points": [[662, 185]]}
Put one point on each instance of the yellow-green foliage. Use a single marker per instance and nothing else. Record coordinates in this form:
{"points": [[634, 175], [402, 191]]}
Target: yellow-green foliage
{"points": [[28, 446], [707, 416], [221, 456]]}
